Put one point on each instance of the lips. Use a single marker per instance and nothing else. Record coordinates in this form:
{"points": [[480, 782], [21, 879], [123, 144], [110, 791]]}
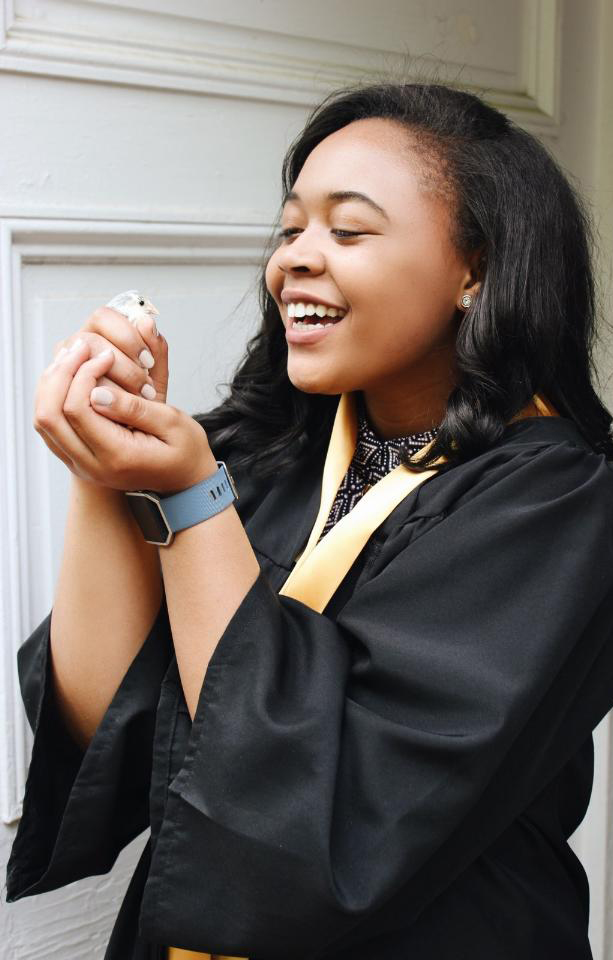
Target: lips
{"points": [[308, 334]]}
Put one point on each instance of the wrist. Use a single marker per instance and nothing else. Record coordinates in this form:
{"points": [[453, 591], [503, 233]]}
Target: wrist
{"points": [[106, 509], [90, 490], [160, 516], [207, 465]]}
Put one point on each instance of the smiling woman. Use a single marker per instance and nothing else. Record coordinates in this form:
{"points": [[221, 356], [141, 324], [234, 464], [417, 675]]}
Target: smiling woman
{"points": [[361, 724], [396, 275]]}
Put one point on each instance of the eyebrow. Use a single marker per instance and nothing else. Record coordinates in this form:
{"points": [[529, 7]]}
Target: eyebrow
{"points": [[339, 196]]}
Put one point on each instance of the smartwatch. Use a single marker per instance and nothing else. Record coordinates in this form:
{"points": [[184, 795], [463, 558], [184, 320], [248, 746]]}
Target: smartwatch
{"points": [[160, 517]]}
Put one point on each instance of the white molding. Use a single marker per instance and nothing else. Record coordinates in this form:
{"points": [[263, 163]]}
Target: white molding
{"points": [[7, 18], [116, 44], [13, 602], [138, 215], [23, 241], [541, 48]]}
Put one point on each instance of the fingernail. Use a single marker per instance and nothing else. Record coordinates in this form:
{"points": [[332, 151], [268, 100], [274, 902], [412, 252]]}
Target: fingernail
{"points": [[148, 391], [101, 395], [146, 359], [78, 343]]}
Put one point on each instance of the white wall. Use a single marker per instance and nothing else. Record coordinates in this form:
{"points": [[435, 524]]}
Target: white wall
{"points": [[142, 148]]}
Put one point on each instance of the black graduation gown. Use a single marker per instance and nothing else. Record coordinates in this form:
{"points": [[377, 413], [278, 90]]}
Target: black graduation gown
{"points": [[395, 777]]}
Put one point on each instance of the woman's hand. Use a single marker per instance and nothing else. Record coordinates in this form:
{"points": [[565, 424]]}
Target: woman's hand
{"points": [[104, 328], [131, 444], [133, 369]]}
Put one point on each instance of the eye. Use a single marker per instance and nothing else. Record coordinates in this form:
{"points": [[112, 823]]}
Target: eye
{"points": [[290, 231], [141, 303]]}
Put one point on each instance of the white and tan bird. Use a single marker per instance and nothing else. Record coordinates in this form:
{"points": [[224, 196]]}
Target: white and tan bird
{"points": [[134, 306]]}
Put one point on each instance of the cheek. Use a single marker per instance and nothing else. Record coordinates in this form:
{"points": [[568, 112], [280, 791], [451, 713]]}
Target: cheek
{"points": [[268, 275], [273, 276], [394, 322], [403, 295]]}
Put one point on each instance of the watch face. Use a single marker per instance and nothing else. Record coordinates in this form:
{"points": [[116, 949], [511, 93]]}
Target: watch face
{"points": [[147, 514]]}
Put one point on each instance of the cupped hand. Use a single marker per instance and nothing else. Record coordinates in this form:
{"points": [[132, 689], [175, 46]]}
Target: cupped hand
{"points": [[104, 328], [132, 368], [131, 444]]}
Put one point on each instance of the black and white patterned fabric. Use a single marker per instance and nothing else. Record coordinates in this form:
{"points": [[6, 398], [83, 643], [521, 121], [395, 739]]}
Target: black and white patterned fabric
{"points": [[373, 458]]}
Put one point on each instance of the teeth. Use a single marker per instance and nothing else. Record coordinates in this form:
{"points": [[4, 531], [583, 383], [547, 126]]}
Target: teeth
{"points": [[309, 309], [309, 326]]}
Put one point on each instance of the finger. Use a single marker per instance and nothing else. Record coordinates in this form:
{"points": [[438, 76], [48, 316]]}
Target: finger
{"points": [[49, 401], [101, 433], [58, 351], [158, 347], [56, 449], [159, 350], [156, 419], [118, 330], [75, 468], [147, 390], [124, 371]]}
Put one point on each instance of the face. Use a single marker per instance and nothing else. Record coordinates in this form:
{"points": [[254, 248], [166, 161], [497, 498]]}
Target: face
{"points": [[397, 276]]}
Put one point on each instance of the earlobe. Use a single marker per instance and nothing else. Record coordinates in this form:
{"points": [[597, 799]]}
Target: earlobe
{"points": [[470, 295]]}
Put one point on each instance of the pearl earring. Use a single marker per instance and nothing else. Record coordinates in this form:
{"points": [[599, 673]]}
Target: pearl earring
{"points": [[467, 300]]}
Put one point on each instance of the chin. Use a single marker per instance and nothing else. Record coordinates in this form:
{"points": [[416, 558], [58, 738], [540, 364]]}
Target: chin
{"points": [[307, 386], [309, 381], [314, 382]]}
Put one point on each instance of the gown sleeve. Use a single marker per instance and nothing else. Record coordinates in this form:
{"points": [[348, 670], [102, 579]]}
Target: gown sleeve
{"points": [[340, 773], [81, 807]]}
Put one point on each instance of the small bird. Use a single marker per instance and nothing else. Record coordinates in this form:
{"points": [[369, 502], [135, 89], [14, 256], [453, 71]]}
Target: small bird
{"points": [[134, 306]]}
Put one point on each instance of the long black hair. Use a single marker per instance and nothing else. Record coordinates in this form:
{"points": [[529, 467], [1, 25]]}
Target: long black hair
{"points": [[532, 326]]}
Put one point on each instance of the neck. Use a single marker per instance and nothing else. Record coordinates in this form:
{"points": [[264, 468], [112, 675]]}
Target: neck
{"points": [[413, 399], [401, 416]]}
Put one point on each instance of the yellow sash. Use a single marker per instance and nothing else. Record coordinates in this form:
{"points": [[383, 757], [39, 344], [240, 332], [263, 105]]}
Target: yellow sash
{"points": [[321, 567]]}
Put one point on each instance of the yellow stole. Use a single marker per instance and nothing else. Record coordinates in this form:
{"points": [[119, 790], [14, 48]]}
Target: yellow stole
{"points": [[321, 567]]}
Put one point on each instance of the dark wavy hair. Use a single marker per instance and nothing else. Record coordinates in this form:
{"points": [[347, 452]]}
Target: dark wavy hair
{"points": [[532, 325]]}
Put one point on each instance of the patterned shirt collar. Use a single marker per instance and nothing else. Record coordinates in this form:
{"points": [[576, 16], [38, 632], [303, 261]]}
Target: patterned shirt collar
{"points": [[374, 456]]}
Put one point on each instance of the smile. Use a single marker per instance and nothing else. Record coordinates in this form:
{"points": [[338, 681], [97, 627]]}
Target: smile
{"points": [[319, 310], [304, 332]]}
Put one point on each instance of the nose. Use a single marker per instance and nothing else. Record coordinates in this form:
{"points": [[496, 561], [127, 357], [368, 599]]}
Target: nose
{"points": [[300, 255]]}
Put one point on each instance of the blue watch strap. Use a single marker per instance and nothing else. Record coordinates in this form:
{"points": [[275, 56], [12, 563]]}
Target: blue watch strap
{"points": [[198, 503]]}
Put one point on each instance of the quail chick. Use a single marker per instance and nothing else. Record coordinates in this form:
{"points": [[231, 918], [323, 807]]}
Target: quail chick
{"points": [[134, 306]]}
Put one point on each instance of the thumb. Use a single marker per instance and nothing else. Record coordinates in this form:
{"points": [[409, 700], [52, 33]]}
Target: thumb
{"points": [[131, 410], [159, 350]]}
